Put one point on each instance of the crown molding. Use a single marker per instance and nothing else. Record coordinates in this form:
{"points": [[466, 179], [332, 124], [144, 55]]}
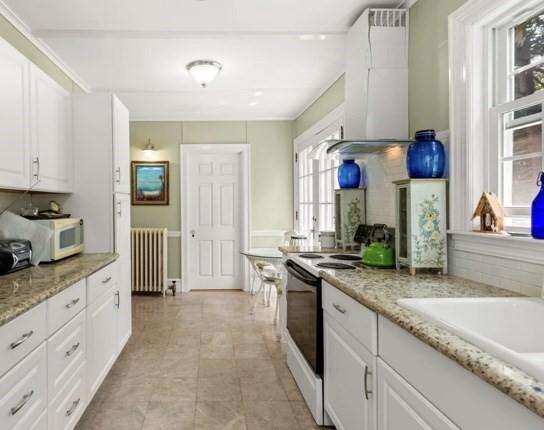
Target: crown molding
{"points": [[19, 24]]}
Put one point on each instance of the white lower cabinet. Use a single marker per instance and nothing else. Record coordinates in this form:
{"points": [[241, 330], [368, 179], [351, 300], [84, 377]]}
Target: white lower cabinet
{"points": [[349, 387], [401, 407], [64, 412], [40, 423], [23, 391], [101, 338]]}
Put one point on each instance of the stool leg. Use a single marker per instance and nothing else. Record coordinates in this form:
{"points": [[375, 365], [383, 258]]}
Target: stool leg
{"points": [[277, 311], [269, 295]]}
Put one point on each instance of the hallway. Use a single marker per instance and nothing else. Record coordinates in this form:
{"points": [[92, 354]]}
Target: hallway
{"points": [[199, 361]]}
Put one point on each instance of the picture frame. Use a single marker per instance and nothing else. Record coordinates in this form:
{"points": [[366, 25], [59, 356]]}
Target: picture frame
{"points": [[150, 183]]}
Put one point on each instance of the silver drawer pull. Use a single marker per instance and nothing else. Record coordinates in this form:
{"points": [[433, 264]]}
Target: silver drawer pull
{"points": [[23, 402], [367, 391], [72, 350], [72, 303], [22, 340], [339, 308], [106, 280], [74, 406]]}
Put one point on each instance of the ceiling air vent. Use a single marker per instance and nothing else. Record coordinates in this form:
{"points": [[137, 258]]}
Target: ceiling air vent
{"points": [[387, 17]]}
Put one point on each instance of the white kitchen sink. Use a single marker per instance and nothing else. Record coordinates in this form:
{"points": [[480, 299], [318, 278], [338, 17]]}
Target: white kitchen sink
{"points": [[510, 328]]}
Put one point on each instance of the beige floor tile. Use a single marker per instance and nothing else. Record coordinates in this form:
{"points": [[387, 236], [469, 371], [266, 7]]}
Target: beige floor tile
{"points": [[261, 389], [181, 351], [214, 337], [209, 368], [212, 415], [270, 415], [304, 417], [256, 368], [170, 415], [247, 336], [219, 388], [217, 351], [172, 389], [290, 387], [176, 368], [119, 416], [251, 350]]}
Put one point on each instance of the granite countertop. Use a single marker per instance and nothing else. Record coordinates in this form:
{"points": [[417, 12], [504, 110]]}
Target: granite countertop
{"points": [[22, 290], [380, 289], [289, 249]]}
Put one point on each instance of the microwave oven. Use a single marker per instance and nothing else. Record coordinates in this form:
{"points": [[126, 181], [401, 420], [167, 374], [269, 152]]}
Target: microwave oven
{"points": [[67, 237]]}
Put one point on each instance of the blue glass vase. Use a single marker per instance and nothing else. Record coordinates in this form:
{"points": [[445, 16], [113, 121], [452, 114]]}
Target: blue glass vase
{"points": [[426, 156], [537, 211], [349, 174]]}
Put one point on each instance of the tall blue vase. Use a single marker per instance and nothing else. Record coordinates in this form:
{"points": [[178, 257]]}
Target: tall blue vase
{"points": [[426, 156], [537, 211], [349, 174]]}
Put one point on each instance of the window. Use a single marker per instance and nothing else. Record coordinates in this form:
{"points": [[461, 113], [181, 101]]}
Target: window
{"points": [[518, 114], [316, 179]]}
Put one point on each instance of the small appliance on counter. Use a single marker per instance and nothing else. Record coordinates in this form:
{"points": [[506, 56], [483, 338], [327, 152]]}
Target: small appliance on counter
{"points": [[67, 239], [15, 254], [327, 239], [377, 243]]}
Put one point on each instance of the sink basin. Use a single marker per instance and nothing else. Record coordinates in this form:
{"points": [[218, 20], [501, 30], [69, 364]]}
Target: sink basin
{"points": [[510, 328]]}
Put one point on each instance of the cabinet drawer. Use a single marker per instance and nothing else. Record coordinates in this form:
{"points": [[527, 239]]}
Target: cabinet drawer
{"points": [[65, 352], [64, 306], [359, 321], [21, 336], [23, 391], [64, 412], [40, 423], [101, 281]]}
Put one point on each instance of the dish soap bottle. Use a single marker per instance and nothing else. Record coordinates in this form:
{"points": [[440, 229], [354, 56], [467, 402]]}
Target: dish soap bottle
{"points": [[537, 211]]}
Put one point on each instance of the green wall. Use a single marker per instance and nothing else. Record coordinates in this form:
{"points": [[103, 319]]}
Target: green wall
{"points": [[428, 64], [271, 171], [331, 98], [20, 42]]}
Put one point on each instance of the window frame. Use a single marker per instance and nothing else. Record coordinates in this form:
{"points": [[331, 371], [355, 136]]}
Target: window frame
{"points": [[325, 127], [471, 98]]}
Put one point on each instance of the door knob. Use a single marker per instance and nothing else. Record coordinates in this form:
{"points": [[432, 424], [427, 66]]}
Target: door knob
{"points": [[192, 233]]}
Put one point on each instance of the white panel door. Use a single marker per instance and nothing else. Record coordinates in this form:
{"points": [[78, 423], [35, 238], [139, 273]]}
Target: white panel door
{"points": [[14, 138], [124, 286], [121, 147], [51, 130], [213, 201], [401, 407], [349, 387]]}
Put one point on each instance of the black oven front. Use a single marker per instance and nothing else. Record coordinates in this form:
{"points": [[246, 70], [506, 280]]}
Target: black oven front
{"points": [[304, 314]]}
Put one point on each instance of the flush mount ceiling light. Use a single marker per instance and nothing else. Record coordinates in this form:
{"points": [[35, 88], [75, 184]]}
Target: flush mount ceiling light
{"points": [[204, 71], [149, 148]]}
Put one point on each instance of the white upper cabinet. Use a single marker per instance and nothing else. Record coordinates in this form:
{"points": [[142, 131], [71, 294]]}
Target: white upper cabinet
{"points": [[121, 147], [14, 139], [51, 133]]}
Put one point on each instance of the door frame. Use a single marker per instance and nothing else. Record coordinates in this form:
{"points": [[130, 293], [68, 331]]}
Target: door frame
{"points": [[245, 208]]}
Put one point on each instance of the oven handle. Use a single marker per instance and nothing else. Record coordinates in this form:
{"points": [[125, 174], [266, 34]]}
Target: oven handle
{"points": [[299, 273]]}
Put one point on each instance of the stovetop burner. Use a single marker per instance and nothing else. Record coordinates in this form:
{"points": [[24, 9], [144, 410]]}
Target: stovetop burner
{"points": [[346, 257], [336, 266], [311, 256]]}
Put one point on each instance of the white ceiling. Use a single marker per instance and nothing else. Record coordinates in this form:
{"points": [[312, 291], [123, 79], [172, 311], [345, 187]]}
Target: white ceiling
{"points": [[291, 50]]}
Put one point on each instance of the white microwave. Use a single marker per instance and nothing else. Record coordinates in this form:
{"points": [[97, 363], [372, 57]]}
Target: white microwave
{"points": [[67, 237]]}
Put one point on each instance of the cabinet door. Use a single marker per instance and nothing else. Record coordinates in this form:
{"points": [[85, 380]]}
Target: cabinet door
{"points": [[51, 131], [121, 147], [349, 379], [401, 407], [122, 247], [101, 339], [14, 139]]}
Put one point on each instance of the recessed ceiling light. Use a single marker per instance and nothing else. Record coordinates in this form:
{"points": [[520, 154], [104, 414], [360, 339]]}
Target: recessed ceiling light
{"points": [[253, 104], [322, 37], [258, 93], [306, 37], [204, 71]]}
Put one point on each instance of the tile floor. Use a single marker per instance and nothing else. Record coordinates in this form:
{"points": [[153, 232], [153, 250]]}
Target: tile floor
{"points": [[199, 361]]}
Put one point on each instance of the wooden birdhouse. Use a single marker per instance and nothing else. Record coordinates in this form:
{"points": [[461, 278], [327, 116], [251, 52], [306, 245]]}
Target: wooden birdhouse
{"points": [[491, 214]]}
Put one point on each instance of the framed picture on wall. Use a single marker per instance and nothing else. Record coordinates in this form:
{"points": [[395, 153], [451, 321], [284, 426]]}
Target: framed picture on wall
{"points": [[150, 182]]}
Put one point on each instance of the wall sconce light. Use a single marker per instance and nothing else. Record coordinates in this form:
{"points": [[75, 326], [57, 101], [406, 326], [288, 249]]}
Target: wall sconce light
{"points": [[149, 149]]}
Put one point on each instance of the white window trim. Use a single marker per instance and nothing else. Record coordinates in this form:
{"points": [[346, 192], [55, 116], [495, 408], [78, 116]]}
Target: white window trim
{"points": [[315, 134], [470, 100]]}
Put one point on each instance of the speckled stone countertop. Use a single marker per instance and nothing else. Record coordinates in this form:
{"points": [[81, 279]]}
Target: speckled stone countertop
{"points": [[288, 249], [22, 290], [380, 289]]}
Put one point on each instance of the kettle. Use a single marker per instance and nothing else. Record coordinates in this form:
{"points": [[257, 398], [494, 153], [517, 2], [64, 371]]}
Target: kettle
{"points": [[378, 251]]}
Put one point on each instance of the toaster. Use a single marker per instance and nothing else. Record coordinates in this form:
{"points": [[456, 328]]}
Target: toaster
{"points": [[15, 254]]}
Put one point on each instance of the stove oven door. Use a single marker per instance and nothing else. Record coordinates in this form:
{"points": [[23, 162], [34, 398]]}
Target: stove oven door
{"points": [[304, 314]]}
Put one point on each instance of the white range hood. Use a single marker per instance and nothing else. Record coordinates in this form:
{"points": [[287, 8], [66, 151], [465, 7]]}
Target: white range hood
{"points": [[376, 90]]}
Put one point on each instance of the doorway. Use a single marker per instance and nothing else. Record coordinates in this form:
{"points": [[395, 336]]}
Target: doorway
{"points": [[215, 216]]}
